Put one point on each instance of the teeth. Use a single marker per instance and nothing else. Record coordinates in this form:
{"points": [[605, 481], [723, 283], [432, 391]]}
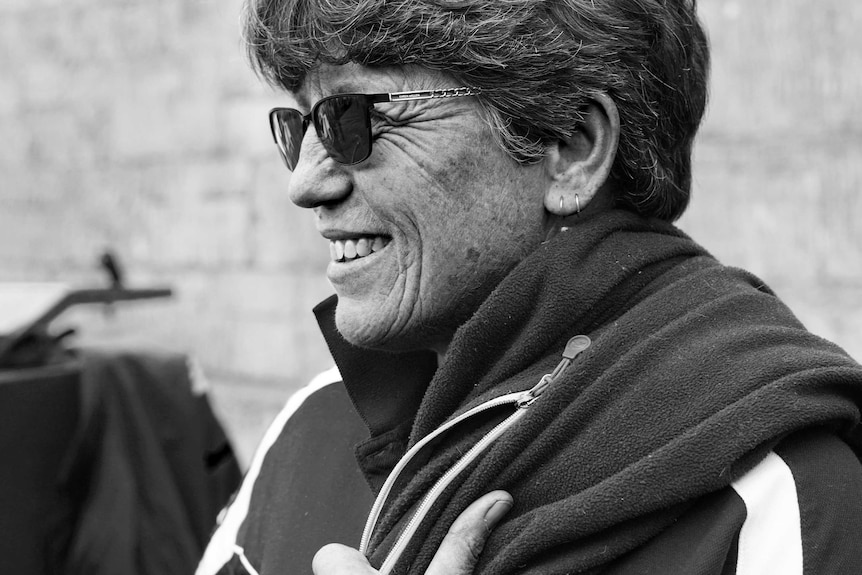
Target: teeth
{"points": [[363, 247], [345, 250]]}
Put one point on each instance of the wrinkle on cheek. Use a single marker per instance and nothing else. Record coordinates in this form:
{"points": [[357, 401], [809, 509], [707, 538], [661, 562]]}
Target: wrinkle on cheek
{"points": [[406, 298], [411, 141], [420, 143]]}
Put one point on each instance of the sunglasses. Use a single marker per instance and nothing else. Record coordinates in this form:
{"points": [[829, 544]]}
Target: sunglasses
{"points": [[342, 123]]}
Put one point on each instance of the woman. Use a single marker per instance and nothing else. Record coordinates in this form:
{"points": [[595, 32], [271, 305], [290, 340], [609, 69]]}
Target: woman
{"points": [[515, 310]]}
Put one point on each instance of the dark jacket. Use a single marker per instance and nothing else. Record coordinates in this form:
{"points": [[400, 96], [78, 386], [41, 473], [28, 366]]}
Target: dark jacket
{"points": [[649, 453], [114, 464]]}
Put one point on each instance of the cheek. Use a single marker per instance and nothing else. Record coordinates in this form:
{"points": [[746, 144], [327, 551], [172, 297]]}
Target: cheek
{"points": [[481, 213], [465, 210], [457, 180], [472, 256]]}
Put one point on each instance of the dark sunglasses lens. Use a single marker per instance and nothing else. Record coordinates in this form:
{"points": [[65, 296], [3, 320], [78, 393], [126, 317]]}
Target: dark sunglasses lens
{"points": [[288, 130], [343, 127]]}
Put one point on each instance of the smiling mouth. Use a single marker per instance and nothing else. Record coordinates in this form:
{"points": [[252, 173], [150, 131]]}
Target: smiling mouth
{"points": [[356, 248]]}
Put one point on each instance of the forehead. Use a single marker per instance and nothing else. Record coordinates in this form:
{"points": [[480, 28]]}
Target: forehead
{"points": [[328, 79]]}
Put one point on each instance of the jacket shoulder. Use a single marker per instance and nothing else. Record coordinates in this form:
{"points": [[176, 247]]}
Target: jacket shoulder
{"points": [[827, 480], [802, 509], [303, 488], [797, 512]]}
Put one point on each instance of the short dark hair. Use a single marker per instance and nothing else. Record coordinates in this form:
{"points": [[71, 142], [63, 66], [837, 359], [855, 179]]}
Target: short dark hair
{"points": [[538, 62]]}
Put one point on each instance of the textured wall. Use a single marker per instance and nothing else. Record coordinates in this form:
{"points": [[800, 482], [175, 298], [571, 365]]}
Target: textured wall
{"points": [[136, 125], [778, 168]]}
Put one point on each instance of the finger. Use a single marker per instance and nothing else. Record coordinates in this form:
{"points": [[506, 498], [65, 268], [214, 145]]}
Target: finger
{"points": [[460, 549], [335, 559]]}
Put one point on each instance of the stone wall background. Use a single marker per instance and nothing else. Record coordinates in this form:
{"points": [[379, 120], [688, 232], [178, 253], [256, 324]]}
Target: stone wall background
{"points": [[137, 126]]}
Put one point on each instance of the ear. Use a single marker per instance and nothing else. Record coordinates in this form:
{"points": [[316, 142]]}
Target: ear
{"points": [[580, 165]]}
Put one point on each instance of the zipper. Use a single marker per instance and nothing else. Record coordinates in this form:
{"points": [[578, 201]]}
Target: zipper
{"points": [[374, 514], [521, 400]]}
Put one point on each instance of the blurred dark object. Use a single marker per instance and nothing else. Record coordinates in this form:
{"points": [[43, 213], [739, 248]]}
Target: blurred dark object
{"points": [[114, 462], [39, 412], [110, 264]]}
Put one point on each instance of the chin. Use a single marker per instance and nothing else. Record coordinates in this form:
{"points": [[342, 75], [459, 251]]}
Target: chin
{"points": [[359, 328], [377, 331]]}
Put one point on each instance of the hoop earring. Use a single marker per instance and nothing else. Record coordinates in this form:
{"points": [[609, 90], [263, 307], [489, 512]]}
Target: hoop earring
{"points": [[561, 203], [577, 203]]}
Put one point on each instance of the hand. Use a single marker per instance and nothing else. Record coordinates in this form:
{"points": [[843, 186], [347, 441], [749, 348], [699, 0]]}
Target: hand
{"points": [[458, 552]]}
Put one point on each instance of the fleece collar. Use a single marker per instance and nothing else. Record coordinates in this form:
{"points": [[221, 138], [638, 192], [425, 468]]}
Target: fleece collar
{"points": [[385, 388]]}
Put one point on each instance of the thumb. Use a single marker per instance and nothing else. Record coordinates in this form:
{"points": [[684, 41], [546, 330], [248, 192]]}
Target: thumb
{"points": [[336, 559], [460, 549]]}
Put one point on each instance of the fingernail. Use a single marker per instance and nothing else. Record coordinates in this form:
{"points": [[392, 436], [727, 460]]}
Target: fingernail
{"points": [[496, 512]]}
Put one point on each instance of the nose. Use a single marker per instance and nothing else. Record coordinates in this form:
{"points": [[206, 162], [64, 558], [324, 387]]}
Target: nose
{"points": [[317, 179]]}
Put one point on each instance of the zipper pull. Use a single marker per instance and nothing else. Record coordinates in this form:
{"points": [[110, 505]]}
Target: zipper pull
{"points": [[575, 346]]}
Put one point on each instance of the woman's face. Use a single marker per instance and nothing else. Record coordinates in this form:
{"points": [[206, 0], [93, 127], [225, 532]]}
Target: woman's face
{"points": [[436, 216]]}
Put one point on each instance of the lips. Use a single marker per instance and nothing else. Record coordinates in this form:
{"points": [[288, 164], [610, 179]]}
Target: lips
{"points": [[356, 248]]}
